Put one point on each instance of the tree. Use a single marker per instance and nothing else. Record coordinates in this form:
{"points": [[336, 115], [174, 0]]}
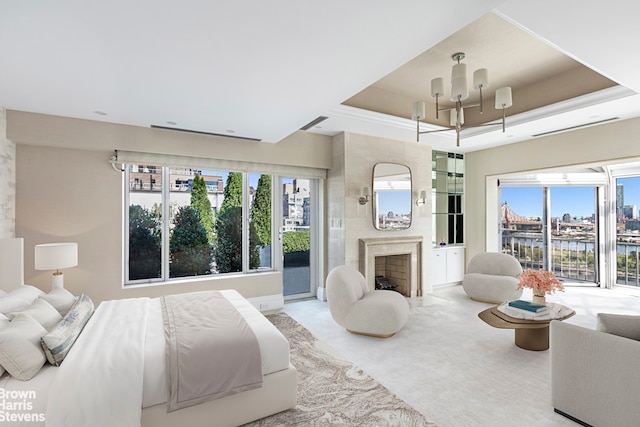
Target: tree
{"points": [[260, 224], [200, 202], [144, 244], [228, 227], [261, 211], [190, 254]]}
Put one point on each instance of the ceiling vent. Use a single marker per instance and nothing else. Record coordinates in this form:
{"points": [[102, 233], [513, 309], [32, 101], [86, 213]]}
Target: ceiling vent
{"points": [[314, 122], [205, 133], [576, 127]]}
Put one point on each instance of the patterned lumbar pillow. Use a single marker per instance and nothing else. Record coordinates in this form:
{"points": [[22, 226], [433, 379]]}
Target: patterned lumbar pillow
{"points": [[20, 351], [58, 342]]}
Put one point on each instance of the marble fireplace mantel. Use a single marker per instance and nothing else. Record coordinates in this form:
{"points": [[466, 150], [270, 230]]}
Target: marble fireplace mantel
{"points": [[370, 248]]}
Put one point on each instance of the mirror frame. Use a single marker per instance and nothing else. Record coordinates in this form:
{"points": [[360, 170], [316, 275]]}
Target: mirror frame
{"points": [[375, 194]]}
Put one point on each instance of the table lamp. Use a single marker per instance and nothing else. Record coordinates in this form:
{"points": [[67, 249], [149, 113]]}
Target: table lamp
{"points": [[55, 256]]}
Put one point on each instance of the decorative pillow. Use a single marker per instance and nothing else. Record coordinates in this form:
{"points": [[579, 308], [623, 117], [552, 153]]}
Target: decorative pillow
{"points": [[19, 299], [20, 351], [57, 343], [42, 312], [61, 299], [624, 325], [4, 321]]}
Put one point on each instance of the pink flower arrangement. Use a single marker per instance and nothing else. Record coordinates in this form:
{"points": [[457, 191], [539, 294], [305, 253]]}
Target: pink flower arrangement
{"points": [[540, 281]]}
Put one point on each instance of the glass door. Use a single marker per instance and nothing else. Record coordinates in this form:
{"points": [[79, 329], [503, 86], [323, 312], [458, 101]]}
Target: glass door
{"points": [[298, 236]]}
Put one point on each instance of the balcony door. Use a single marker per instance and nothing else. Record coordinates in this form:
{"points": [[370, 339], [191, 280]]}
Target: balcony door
{"points": [[553, 227]]}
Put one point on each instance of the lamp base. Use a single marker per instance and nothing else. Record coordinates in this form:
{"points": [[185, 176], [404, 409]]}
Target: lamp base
{"points": [[57, 281]]}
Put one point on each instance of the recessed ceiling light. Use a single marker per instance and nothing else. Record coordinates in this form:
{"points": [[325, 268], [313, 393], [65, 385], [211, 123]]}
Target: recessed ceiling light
{"points": [[100, 113], [171, 123], [230, 131]]}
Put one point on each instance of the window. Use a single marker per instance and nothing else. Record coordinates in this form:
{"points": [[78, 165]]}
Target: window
{"points": [[190, 221]]}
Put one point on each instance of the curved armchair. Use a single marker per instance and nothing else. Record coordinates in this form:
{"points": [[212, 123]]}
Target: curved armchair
{"points": [[378, 313], [493, 277]]}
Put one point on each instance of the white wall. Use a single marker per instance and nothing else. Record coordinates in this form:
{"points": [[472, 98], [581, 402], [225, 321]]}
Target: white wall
{"points": [[611, 143], [354, 157], [68, 191]]}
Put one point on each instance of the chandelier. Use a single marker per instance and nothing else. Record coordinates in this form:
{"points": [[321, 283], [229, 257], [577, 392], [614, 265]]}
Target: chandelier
{"points": [[459, 93]]}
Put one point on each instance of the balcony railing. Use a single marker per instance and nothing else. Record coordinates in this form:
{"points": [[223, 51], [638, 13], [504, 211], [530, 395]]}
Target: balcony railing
{"points": [[575, 259]]}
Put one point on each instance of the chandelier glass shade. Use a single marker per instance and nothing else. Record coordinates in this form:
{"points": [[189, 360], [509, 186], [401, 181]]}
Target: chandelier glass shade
{"points": [[460, 93]]}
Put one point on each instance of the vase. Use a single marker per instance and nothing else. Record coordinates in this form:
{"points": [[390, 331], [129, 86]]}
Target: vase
{"points": [[539, 299]]}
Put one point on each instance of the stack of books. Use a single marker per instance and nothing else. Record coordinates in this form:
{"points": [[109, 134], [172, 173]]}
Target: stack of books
{"points": [[529, 306]]}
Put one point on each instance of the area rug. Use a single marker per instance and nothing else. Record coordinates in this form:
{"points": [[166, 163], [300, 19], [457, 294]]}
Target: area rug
{"points": [[333, 391]]}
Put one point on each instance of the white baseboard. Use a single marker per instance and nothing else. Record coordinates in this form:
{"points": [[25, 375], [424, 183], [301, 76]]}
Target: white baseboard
{"points": [[267, 302]]}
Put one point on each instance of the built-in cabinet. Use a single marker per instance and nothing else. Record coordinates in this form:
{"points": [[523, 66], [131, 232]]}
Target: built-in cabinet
{"points": [[447, 191], [447, 265]]}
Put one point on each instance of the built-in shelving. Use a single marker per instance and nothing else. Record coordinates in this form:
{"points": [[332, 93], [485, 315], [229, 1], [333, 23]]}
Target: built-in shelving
{"points": [[447, 186]]}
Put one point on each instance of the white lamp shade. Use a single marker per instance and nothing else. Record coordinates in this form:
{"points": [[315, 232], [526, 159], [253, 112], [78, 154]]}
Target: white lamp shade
{"points": [[453, 119], [459, 89], [458, 71], [503, 98], [418, 110], [437, 87], [55, 256], [366, 191], [480, 78]]}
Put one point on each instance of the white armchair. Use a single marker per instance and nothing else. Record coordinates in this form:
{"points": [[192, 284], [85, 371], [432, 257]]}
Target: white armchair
{"points": [[378, 313], [594, 373], [493, 277]]}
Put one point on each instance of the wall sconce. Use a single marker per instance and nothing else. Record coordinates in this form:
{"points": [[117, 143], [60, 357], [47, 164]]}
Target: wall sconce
{"points": [[366, 194], [422, 199], [54, 256]]}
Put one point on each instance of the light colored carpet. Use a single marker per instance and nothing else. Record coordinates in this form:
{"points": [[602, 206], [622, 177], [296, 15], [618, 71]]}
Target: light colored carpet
{"points": [[455, 369], [333, 391]]}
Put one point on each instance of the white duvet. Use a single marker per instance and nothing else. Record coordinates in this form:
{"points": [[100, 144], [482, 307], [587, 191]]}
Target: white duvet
{"points": [[117, 365]]}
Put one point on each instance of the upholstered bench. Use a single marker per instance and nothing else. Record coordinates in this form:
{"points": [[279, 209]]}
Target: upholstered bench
{"points": [[379, 313]]}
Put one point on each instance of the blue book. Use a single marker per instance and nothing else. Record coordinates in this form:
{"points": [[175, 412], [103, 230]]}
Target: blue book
{"points": [[528, 305]]}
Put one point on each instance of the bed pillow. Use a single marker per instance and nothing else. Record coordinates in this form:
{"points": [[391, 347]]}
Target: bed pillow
{"points": [[57, 343], [19, 299], [42, 312], [20, 351], [4, 321], [61, 299], [624, 325]]}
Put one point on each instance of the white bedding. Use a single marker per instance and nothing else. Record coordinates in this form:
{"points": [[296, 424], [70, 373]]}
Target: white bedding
{"points": [[274, 347], [102, 381]]}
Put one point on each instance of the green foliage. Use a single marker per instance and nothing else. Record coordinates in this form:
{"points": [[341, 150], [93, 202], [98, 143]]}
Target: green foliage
{"points": [[144, 243], [261, 211], [295, 241], [190, 254], [200, 202], [228, 248], [228, 227]]}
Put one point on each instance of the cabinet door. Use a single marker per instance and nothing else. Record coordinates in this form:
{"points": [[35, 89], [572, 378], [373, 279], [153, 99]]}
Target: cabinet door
{"points": [[455, 265], [438, 267]]}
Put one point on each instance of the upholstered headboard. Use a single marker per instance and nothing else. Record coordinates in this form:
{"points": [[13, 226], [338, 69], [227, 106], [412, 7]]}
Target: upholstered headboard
{"points": [[11, 263]]}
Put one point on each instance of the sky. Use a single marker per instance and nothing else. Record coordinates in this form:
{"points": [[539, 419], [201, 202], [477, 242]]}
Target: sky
{"points": [[576, 201]]}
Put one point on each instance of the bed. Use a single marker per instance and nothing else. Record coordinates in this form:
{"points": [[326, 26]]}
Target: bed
{"points": [[116, 371]]}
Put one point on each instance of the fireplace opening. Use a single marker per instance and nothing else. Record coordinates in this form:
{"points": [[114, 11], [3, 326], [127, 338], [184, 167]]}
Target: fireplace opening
{"points": [[393, 272]]}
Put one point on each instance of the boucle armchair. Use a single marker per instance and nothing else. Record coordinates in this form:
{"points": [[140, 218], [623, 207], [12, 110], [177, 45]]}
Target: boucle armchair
{"points": [[379, 313], [493, 277], [594, 373]]}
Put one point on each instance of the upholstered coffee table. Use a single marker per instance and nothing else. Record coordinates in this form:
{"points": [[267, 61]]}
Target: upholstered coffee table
{"points": [[529, 334]]}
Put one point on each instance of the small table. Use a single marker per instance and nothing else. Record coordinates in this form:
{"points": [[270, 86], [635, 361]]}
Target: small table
{"points": [[529, 334]]}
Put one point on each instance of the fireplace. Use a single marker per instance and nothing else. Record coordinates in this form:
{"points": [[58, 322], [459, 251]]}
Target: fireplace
{"points": [[397, 258]]}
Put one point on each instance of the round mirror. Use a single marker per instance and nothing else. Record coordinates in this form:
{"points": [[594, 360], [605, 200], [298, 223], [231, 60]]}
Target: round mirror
{"points": [[391, 196]]}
